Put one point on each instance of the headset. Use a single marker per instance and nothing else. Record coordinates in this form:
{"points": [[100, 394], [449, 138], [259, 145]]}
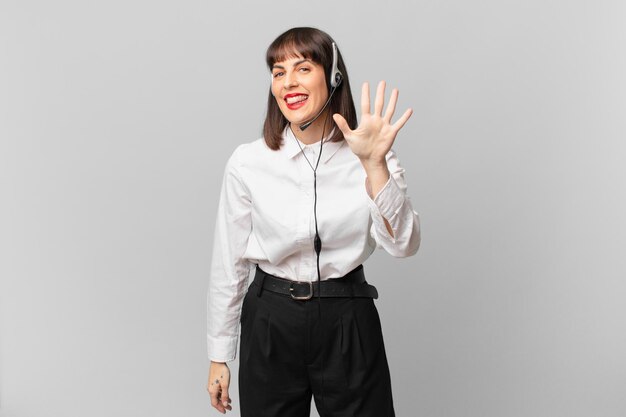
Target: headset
{"points": [[336, 77]]}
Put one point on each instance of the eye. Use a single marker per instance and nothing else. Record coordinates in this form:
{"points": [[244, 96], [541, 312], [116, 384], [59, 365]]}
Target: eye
{"points": [[277, 74], [305, 69]]}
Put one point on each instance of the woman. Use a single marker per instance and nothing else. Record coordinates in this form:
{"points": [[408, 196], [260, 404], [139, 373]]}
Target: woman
{"points": [[306, 205]]}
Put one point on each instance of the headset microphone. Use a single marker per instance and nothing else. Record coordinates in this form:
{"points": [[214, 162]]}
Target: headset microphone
{"points": [[336, 77]]}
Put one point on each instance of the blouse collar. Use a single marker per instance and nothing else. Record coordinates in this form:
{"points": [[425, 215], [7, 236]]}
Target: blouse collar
{"points": [[290, 146]]}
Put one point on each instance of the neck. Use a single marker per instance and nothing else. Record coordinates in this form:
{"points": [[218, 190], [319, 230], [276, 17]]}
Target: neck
{"points": [[313, 133]]}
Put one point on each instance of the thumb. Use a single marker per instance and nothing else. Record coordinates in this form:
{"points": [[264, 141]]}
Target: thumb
{"points": [[342, 124]]}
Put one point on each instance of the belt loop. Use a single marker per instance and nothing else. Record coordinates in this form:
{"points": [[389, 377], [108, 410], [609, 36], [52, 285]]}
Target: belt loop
{"points": [[258, 293]]}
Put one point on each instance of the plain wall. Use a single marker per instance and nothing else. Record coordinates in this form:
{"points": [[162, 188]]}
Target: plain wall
{"points": [[116, 121]]}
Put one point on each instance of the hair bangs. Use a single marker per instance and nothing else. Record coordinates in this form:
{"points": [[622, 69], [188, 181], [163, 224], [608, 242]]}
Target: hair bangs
{"points": [[294, 46]]}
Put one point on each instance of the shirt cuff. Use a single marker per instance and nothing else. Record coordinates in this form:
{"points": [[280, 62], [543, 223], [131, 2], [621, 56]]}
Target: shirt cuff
{"points": [[388, 200], [223, 349]]}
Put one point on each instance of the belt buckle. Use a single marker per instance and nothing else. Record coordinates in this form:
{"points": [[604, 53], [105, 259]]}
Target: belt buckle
{"points": [[304, 297]]}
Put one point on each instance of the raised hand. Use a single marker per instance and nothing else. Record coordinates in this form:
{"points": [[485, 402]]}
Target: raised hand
{"points": [[373, 137]]}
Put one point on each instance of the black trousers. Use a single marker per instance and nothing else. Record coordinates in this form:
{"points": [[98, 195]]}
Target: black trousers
{"points": [[289, 353]]}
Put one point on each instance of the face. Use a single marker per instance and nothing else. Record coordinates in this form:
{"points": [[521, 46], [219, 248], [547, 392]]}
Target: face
{"points": [[299, 87]]}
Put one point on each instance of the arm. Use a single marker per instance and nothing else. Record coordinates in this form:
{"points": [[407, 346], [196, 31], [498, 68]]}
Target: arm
{"points": [[377, 178], [229, 271], [395, 225]]}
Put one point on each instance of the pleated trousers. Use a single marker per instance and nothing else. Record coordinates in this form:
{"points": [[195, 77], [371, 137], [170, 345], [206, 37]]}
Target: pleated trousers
{"points": [[289, 352]]}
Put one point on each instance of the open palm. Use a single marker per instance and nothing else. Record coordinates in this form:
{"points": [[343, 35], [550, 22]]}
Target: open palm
{"points": [[373, 137]]}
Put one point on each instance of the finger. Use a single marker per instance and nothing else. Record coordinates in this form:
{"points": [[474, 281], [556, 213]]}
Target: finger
{"points": [[225, 397], [215, 399], [342, 124], [380, 99], [398, 125], [365, 98], [391, 107]]}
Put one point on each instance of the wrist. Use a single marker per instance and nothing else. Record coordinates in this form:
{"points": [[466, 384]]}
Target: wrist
{"points": [[375, 180], [374, 166]]}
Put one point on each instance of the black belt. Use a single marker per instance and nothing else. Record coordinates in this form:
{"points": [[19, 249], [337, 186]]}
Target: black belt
{"points": [[353, 284]]}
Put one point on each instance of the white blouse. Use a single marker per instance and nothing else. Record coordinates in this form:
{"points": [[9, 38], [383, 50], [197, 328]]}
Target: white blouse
{"points": [[265, 217]]}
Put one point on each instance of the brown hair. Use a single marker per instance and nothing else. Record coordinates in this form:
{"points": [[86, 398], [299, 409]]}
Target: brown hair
{"points": [[315, 45]]}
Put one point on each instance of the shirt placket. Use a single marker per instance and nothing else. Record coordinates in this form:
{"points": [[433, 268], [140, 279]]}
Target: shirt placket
{"points": [[306, 221]]}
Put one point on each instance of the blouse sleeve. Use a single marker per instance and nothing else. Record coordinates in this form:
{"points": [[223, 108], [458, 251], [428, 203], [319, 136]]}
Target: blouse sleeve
{"points": [[229, 271], [392, 203]]}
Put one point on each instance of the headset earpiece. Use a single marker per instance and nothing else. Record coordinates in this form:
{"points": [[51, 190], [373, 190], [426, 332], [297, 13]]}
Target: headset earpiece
{"points": [[335, 75]]}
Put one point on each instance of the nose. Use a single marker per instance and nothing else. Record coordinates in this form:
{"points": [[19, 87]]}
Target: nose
{"points": [[290, 80]]}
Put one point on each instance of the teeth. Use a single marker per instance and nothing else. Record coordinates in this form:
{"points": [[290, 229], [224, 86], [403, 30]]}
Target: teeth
{"points": [[296, 99]]}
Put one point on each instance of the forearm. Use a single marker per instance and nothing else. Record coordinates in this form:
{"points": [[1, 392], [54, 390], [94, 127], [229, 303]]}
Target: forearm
{"points": [[377, 176]]}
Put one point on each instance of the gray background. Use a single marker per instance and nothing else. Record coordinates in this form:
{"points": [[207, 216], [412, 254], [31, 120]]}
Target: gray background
{"points": [[116, 121]]}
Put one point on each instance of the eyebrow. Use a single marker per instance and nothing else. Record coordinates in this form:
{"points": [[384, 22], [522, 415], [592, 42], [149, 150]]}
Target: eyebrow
{"points": [[294, 65]]}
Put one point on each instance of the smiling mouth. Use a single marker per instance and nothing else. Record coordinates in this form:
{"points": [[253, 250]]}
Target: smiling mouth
{"points": [[295, 102], [296, 99]]}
